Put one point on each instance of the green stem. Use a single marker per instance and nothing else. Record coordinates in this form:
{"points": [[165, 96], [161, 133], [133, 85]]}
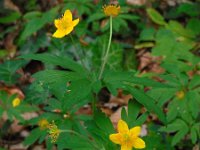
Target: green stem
{"points": [[105, 58], [75, 52]]}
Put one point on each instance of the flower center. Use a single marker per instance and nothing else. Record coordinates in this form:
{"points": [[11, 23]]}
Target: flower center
{"points": [[111, 10], [65, 24], [126, 137]]}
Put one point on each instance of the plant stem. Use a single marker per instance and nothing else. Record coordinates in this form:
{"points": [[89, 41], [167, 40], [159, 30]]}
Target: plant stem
{"points": [[75, 52], [105, 58]]}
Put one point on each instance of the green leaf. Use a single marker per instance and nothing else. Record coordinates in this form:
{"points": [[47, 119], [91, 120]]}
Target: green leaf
{"points": [[129, 61], [193, 134], [132, 115], [1, 111], [124, 115], [75, 142], [176, 125], [33, 137], [144, 45], [178, 28], [148, 34], [95, 17], [103, 122], [36, 23], [156, 16], [157, 94], [190, 9], [194, 25], [77, 95], [129, 17], [31, 27], [171, 68], [8, 71], [10, 18], [173, 110], [32, 14], [56, 76], [179, 135], [100, 128], [147, 101], [193, 103], [120, 78], [62, 61], [195, 82]]}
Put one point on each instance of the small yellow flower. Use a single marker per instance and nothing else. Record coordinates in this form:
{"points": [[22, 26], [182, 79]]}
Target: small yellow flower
{"points": [[127, 138], [65, 25], [54, 132], [180, 94], [16, 102], [43, 124], [111, 10]]}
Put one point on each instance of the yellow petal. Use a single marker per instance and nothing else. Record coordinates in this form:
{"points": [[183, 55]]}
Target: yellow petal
{"points": [[59, 34], [115, 138], [122, 127], [16, 102], [138, 143], [135, 132], [126, 147], [75, 22], [68, 30], [57, 23], [68, 15], [62, 33]]}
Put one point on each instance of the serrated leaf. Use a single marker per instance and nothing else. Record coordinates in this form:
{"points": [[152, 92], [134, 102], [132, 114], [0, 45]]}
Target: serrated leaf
{"points": [[124, 115], [190, 9], [193, 134], [77, 95], [194, 25], [75, 142], [121, 78], [195, 82], [62, 61], [100, 128], [53, 76], [147, 101], [8, 71], [132, 115], [176, 125], [33, 137], [193, 103], [180, 134], [178, 28], [173, 110], [103, 122], [37, 23]]}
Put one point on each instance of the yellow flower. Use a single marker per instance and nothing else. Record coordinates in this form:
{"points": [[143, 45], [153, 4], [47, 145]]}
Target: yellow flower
{"points": [[127, 138], [65, 25], [54, 132], [16, 102], [111, 10], [43, 124], [180, 94]]}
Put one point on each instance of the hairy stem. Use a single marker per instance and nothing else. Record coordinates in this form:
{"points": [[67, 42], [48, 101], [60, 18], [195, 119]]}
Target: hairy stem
{"points": [[105, 58]]}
